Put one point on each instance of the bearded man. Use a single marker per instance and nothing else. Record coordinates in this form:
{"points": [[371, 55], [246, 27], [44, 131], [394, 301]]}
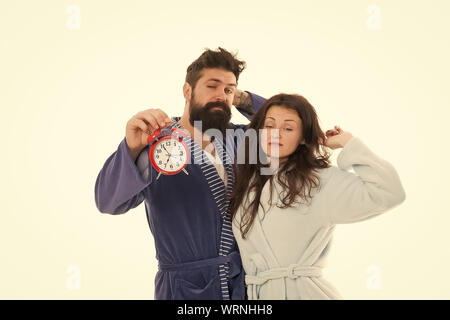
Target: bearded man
{"points": [[196, 251]]}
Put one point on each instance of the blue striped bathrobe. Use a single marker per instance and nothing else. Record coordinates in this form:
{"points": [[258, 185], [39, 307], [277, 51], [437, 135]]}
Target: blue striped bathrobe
{"points": [[196, 251]]}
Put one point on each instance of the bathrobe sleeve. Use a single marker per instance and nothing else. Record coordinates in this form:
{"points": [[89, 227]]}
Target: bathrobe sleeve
{"points": [[250, 110], [374, 188], [119, 185], [257, 101]]}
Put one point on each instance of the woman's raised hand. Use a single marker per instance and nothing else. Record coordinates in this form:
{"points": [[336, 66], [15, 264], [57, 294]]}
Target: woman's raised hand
{"points": [[336, 138]]}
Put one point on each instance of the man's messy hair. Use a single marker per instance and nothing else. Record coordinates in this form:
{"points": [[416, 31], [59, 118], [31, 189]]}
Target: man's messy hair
{"points": [[220, 59]]}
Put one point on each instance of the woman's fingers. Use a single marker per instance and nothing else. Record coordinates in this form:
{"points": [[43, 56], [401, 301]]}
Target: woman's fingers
{"points": [[332, 132]]}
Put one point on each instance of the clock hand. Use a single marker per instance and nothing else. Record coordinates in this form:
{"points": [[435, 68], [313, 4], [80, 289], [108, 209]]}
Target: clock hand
{"points": [[166, 150], [167, 162]]}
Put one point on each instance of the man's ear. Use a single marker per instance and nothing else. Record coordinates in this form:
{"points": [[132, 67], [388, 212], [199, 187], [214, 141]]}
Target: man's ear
{"points": [[187, 91]]}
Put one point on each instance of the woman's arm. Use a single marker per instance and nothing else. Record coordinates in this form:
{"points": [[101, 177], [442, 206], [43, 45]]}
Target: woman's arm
{"points": [[374, 188]]}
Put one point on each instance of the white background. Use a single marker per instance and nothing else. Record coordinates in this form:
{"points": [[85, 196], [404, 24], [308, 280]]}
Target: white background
{"points": [[73, 72]]}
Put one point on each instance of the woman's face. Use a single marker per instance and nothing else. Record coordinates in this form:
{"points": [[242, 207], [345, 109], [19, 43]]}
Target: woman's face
{"points": [[282, 132]]}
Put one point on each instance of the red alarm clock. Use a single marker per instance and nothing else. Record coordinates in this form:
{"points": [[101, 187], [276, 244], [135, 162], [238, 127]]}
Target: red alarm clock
{"points": [[169, 153]]}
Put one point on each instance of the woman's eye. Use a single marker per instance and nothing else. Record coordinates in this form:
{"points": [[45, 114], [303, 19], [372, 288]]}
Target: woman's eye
{"points": [[211, 87], [268, 126], [288, 129]]}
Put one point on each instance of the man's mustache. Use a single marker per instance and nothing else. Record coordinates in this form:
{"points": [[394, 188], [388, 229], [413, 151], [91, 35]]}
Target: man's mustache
{"points": [[219, 104]]}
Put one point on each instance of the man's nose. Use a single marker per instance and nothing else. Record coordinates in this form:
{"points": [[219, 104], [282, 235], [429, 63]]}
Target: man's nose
{"points": [[221, 96]]}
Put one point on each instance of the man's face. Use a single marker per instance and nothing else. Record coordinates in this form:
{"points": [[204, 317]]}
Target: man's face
{"points": [[212, 98]]}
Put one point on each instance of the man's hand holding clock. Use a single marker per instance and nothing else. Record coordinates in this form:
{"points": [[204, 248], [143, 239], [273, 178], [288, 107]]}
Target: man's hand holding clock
{"points": [[140, 126]]}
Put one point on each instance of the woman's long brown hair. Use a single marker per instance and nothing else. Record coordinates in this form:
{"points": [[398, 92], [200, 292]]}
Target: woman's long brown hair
{"points": [[297, 176]]}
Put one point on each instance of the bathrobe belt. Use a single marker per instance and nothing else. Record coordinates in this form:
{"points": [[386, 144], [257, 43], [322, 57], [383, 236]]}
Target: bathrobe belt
{"points": [[254, 282], [293, 271], [233, 258]]}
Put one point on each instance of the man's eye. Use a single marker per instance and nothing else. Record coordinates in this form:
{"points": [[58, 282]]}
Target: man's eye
{"points": [[228, 91], [268, 126]]}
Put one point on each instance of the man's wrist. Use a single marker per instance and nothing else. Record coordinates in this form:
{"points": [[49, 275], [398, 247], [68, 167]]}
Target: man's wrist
{"points": [[244, 104], [134, 153]]}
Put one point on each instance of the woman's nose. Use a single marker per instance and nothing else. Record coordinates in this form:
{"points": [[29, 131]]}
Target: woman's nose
{"points": [[275, 133]]}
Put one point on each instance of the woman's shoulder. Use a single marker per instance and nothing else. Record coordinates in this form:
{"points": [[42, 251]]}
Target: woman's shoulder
{"points": [[326, 173], [334, 176]]}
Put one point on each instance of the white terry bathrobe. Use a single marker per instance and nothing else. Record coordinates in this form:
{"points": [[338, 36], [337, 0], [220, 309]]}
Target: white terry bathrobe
{"points": [[285, 250]]}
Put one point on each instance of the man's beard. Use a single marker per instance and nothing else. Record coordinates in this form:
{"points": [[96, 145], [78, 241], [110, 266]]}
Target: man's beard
{"points": [[211, 119]]}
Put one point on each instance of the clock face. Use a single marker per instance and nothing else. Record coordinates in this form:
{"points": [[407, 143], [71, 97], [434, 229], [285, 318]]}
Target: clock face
{"points": [[170, 155]]}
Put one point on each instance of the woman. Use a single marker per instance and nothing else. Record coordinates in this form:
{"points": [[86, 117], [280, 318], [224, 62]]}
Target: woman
{"points": [[284, 222]]}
